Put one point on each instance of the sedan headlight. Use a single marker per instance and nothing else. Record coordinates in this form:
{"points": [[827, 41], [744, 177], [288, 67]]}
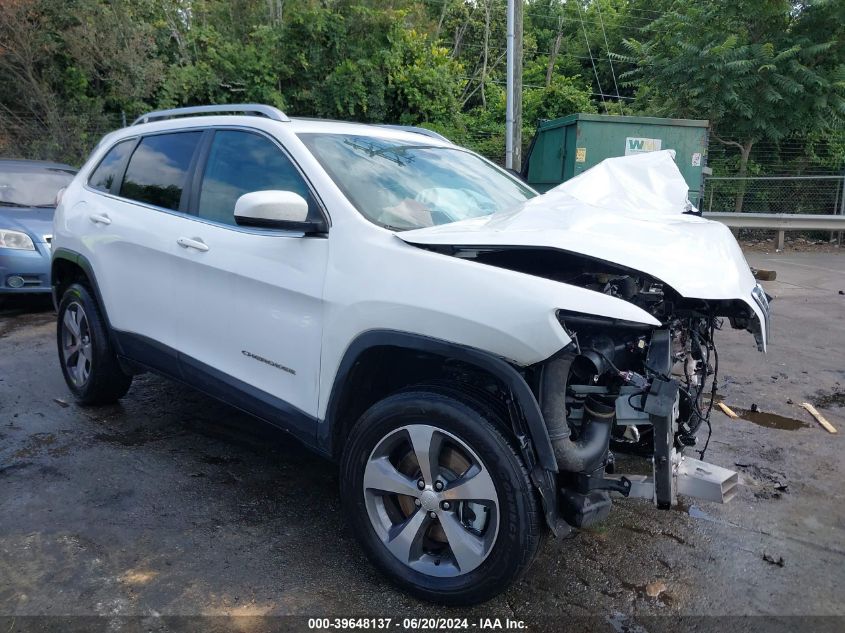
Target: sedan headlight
{"points": [[16, 239]]}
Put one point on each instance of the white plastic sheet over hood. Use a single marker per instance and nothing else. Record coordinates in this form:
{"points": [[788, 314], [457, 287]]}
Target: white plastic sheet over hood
{"points": [[628, 211], [641, 183]]}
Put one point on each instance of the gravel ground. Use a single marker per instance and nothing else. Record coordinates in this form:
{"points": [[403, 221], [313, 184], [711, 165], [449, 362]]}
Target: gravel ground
{"points": [[172, 504]]}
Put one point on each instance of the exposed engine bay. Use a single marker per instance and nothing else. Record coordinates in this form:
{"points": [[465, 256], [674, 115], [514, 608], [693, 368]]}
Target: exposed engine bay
{"points": [[640, 289], [627, 387], [648, 394], [638, 373], [624, 388]]}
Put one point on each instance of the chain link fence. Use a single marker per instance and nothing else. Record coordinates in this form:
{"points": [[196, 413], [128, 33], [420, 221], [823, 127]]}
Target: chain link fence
{"points": [[816, 195], [775, 194]]}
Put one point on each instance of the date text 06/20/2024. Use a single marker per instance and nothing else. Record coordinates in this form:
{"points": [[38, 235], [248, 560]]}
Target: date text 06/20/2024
{"points": [[417, 624]]}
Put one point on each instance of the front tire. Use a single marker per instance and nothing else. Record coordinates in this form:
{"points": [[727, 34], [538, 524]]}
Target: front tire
{"points": [[88, 360], [438, 497]]}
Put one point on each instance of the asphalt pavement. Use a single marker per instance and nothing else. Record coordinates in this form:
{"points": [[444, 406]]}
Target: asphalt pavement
{"points": [[172, 504]]}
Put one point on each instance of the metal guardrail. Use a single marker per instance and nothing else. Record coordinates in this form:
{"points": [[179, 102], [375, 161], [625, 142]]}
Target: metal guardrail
{"points": [[779, 222]]}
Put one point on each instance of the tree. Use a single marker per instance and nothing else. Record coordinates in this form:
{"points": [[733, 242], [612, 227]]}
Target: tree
{"points": [[68, 69], [756, 70], [760, 70], [564, 96]]}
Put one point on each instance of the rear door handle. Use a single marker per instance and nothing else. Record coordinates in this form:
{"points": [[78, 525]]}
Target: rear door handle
{"points": [[100, 219], [187, 242]]}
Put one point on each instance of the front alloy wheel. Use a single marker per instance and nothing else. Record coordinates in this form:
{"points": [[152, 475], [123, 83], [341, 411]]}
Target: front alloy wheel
{"points": [[431, 501], [438, 497]]}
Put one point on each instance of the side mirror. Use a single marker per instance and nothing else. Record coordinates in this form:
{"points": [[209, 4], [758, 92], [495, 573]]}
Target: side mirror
{"points": [[277, 210]]}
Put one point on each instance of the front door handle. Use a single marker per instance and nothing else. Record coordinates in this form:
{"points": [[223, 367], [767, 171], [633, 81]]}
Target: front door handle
{"points": [[195, 243], [100, 219]]}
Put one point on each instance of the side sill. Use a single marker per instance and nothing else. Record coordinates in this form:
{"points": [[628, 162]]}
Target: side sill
{"points": [[187, 370]]}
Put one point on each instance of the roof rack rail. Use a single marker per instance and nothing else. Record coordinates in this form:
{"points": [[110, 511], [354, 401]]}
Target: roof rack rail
{"points": [[254, 109]]}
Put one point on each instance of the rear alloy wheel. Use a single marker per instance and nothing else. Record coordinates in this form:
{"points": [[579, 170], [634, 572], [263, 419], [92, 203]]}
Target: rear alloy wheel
{"points": [[89, 363], [438, 497], [76, 344]]}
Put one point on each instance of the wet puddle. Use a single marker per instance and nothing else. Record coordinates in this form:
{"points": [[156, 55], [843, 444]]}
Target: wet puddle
{"points": [[697, 513], [771, 420], [215, 460], [136, 437], [622, 623]]}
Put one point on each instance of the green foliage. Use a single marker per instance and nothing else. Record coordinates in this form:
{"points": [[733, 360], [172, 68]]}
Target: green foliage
{"points": [[763, 72], [562, 97], [406, 79], [422, 78], [224, 71], [755, 70]]}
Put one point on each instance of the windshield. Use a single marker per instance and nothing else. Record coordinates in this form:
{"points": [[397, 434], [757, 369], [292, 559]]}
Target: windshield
{"points": [[28, 186], [405, 185]]}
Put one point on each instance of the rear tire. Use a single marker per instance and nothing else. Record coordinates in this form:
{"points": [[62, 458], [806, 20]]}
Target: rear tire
{"points": [[86, 355], [475, 525]]}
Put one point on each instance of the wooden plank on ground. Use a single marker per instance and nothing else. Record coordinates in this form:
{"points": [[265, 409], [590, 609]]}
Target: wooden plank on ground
{"points": [[727, 410], [819, 417]]}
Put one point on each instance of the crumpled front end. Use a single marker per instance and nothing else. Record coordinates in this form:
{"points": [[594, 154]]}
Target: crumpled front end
{"points": [[629, 388], [625, 230]]}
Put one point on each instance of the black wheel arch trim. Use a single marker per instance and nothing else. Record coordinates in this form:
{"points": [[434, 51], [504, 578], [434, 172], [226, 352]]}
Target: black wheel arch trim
{"points": [[526, 404], [79, 260], [534, 444], [82, 262]]}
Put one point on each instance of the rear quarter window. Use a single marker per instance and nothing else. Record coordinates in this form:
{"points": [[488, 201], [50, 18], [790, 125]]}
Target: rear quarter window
{"points": [[158, 169], [104, 177]]}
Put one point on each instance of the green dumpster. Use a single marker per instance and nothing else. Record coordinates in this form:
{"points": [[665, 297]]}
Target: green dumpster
{"points": [[565, 147]]}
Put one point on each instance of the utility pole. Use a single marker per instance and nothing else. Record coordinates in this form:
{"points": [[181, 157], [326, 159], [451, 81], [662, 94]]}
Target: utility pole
{"points": [[517, 87], [513, 104], [509, 81]]}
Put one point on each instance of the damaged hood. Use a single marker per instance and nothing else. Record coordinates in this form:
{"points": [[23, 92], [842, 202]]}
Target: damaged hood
{"points": [[628, 211]]}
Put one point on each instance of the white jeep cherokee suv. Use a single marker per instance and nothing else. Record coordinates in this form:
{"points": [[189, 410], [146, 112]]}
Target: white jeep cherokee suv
{"points": [[403, 306]]}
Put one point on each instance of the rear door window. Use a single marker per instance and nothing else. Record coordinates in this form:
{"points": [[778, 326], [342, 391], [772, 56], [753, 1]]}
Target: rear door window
{"points": [[158, 169], [242, 162], [108, 171]]}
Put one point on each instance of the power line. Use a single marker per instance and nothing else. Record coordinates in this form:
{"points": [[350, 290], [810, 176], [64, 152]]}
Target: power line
{"points": [[552, 18], [593, 61], [609, 58]]}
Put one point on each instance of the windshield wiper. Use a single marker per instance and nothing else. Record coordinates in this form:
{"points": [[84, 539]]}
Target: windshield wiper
{"points": [[398, 229]]}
